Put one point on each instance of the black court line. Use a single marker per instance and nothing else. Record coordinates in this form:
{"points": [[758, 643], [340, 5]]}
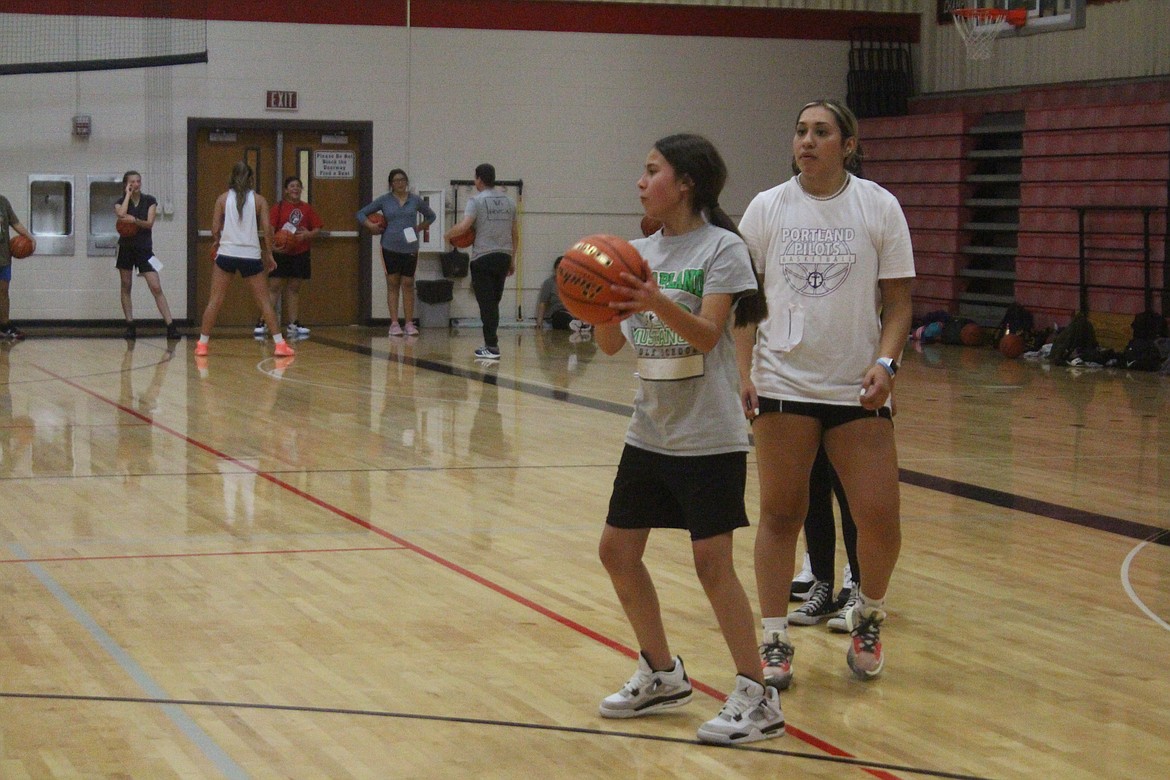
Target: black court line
{"points": [[853, 762], [1114, 525]]}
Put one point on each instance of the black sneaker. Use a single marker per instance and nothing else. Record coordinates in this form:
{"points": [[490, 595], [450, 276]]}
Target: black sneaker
{"points": [[488, 353], [173, 332], [820, 606], [131, 332], [12, 332]]}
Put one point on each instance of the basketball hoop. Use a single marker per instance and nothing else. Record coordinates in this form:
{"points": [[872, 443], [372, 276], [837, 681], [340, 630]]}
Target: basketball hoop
{"points": [[979, 27]]}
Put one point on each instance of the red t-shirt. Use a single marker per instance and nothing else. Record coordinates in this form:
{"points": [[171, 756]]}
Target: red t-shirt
{"points": [[301, 215]]}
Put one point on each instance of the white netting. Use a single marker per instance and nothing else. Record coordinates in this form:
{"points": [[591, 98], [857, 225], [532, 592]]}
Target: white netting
{"points": [[979, 27]]}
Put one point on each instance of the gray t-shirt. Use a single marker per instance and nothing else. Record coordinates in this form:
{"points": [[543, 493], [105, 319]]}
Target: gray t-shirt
{"points": [[549, 297], [7, 220], [494, 214], [688, 402]]}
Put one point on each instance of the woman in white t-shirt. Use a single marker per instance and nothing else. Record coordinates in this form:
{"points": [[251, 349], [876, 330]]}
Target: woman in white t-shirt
{"points": [[835, 256], [243, 237], [684, 464]]}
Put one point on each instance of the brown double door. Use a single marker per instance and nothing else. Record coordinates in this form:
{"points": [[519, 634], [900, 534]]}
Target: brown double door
{"points": [[333, 165]]}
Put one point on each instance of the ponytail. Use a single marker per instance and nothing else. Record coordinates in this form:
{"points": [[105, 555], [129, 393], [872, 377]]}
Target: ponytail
{"points": [[241, 181], [695, 158], [749, 308]]}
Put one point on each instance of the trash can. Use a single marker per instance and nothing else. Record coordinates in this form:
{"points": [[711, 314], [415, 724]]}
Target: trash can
{"points": [[434, 302]]}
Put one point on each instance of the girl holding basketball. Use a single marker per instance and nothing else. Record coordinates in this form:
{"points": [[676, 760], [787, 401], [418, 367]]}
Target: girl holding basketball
{"points": [[685, 459], [402, 210], [294, 264], [834, 254], [240, 228], [8, 219], [136, 251]]}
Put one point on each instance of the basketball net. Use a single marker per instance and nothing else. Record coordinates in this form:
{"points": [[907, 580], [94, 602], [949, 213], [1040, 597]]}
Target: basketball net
{"points": [[979, 27]]}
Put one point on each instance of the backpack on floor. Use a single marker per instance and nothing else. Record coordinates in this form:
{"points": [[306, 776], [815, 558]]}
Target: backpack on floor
{"points": [[1016, 319], [1070, 342], [1142, 355], [1149, 325], [953, 329]]}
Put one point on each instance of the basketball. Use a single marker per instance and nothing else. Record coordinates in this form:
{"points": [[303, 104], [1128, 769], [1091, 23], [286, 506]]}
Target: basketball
{"points": [[463, 241], [20, 246], [650, 226], [379, 220], [126, 229], [588, 269], [282, 241], [971, 335], [1012, 345]]}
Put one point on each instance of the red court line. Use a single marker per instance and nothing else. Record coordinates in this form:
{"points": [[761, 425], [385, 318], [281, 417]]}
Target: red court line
{"points": [[75, 558], [804, 736]]}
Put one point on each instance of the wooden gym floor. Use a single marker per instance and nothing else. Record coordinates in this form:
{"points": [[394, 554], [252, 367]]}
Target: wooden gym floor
{"points": [[380, 561]]}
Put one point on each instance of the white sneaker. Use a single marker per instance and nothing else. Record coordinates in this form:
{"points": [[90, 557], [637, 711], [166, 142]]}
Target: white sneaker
{"points": [[752, 713], [802, 583], [579, 326], [260, 330], [865, 657], [295, 328], [776, 655], [648, 692]]}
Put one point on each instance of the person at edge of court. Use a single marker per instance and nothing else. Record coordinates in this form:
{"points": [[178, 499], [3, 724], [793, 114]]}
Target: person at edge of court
{"points": [[294, 265], [9, 220], [492, 215], [136, 253], [551, 310], [401, 209]]}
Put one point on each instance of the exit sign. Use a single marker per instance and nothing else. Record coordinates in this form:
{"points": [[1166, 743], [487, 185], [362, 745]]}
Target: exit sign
{"points": [[281, 100]]}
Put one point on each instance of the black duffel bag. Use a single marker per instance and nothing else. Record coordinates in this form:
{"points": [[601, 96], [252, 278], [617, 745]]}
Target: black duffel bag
{"points": [[454, 264]]}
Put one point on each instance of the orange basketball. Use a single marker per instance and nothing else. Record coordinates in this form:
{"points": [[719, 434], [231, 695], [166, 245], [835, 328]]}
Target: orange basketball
{"points": [[1012, 345], [126, 229], [588, 269], [20, 246], [650, 226], [463, 241], [971, 335], [379, 220], [282, 241]]}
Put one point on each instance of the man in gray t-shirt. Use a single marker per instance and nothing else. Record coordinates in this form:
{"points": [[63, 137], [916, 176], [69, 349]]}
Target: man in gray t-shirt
{"points": [[492, 215]]}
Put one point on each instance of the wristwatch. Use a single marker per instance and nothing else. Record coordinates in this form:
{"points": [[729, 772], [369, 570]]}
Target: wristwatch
{"points": [[888, 364]]}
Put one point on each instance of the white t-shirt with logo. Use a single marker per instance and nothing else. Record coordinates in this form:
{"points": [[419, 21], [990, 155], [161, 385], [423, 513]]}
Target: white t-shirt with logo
{"points": [[821, 261], [688, 401]]}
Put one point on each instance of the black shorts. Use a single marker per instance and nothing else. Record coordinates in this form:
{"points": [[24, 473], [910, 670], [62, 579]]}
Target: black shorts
{"points": [[830, 415], [247, 266], [702, 494], [132, 257], [399, 263], [291, 266]]}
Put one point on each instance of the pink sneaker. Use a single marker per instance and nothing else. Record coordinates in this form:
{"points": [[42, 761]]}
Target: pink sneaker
{"points": [[411, 330], [201, 348], [396, 329], [283, 349]]}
